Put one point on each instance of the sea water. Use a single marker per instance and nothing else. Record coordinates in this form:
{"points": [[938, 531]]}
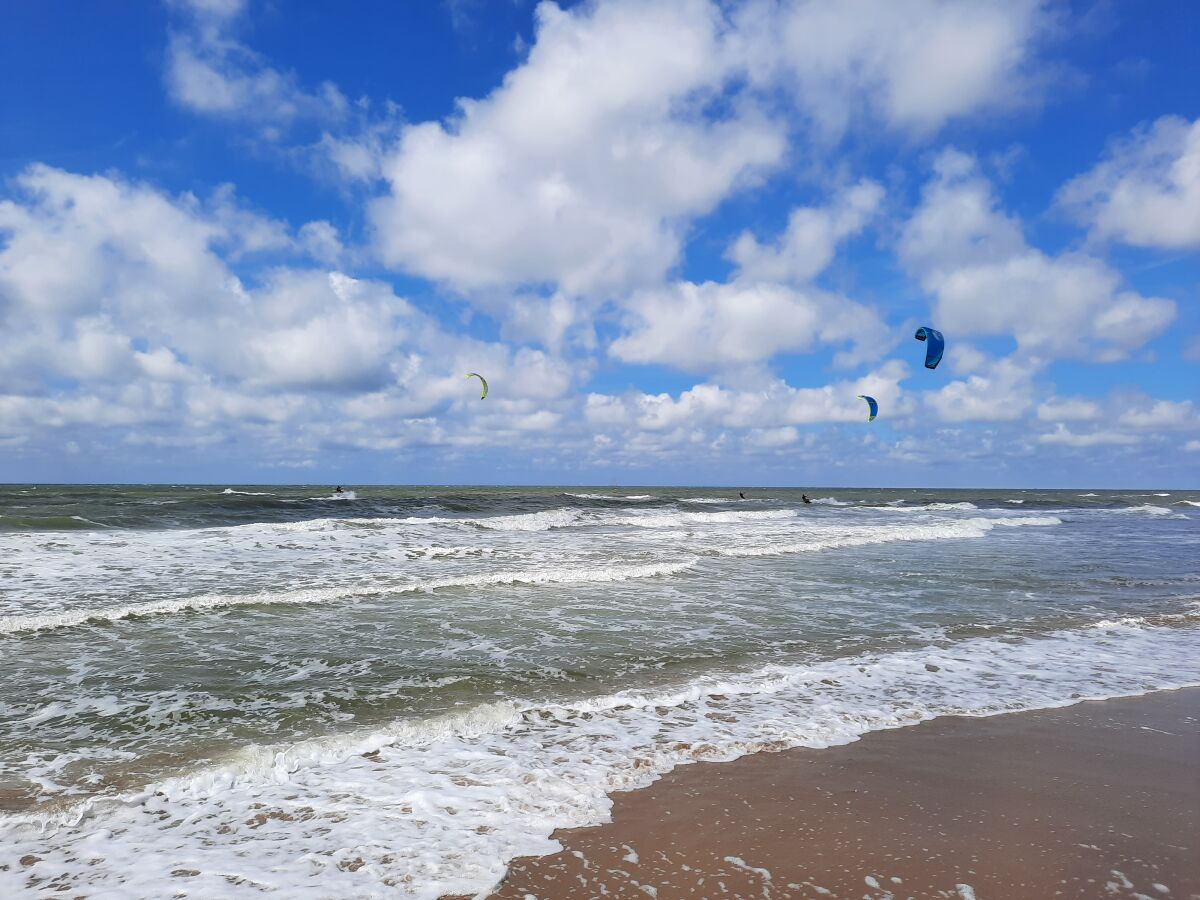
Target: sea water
{"points": [[224, 692]]}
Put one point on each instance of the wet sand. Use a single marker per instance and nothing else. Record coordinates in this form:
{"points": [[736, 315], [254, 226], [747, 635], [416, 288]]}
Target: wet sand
{"points": [[1098, 800]]}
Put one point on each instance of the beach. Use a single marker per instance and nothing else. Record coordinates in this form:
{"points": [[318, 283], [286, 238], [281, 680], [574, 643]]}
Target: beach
{"points": [[264, 690], [1099, 799]]}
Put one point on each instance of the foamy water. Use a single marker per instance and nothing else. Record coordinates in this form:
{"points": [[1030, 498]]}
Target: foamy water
{"points": [[227, 692]]}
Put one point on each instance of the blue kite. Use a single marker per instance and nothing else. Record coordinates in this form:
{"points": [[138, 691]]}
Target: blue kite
{"points": [[935, 344], [871, 405]]}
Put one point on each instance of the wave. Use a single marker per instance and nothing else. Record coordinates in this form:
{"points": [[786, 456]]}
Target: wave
{"points": [[440, 805], [1187, 502], [248, 493], [574, 518], [633, 498], [675, 520], [809, 539], [895, 506], [1159, 620], [863, 536], [304, 596], [1150, 509], [48, 523], [830, 501]]}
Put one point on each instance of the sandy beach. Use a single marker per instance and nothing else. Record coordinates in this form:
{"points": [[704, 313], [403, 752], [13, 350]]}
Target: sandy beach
{"points": [[1100, 799]]}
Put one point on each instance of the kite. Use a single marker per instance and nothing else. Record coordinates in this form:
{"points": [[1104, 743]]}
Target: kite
{"points": [[481, 379], [935, 345], [871, 405]]}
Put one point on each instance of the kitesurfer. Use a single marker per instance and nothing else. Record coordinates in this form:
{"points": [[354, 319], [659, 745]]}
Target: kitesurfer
{"points": [[338, 490], [804, 497], [740, 494]]}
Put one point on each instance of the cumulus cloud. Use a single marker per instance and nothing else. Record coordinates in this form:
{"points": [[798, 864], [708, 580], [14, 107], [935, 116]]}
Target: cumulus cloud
{"points": [[808, 244], [1067, 438], [1130, 419], [1146, 192], [119, 309], [1160, 415], [986, 280], [711, 326], [1003, 392], [774, 404], [1068, 409], [212, 73], [582, 167], [910, 66]]}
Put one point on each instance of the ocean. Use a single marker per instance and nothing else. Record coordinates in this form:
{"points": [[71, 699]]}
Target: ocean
{"points": [[225, 692]]}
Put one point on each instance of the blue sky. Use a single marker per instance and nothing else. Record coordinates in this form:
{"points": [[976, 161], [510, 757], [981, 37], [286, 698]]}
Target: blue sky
{"points": [[250, 242]]}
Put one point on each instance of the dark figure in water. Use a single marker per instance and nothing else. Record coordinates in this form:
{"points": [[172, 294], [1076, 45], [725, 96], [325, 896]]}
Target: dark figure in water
{"points": [[338, 490], [804, 497], [740, 494]]}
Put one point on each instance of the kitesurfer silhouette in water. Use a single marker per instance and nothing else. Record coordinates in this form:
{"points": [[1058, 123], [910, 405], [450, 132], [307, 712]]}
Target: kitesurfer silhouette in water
{"points": [[740, 494], [804, 497]]}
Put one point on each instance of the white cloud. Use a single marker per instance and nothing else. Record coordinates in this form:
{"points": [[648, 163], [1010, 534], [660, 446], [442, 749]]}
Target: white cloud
{"points": [[118, 309], [1147, 191], [807, 246], [1004, 393], [320, 240], [582, 169], [1068, 409], [1064, 437], [710, 326], [911, 64], [772, 405], [986, 280], [583, 166], [1161, 415], [211, 73]]}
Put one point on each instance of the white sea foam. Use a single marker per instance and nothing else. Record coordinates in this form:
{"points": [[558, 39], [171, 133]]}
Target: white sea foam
{"points": [[1149, 509], [895, 506], [677, 519], [633, 498], [205, 602], [248, 493], [818, 539], [438, 806]]}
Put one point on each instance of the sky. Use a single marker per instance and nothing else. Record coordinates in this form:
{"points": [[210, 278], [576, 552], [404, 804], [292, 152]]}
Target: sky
{"points": [[254, 242]]}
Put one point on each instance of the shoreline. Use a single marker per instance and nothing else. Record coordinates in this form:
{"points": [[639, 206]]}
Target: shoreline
{"points": [[1097, 799]]}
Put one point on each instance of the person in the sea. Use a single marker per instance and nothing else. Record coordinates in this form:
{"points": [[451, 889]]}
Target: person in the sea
{"points": [[804, 497], [740, 494], [338, 490]]}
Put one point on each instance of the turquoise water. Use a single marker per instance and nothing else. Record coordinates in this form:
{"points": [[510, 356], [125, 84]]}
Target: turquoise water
{"points": [[395, 690]]}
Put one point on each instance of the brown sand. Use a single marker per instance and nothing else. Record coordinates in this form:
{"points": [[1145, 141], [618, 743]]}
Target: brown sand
{"points": [[1099, 800]]}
